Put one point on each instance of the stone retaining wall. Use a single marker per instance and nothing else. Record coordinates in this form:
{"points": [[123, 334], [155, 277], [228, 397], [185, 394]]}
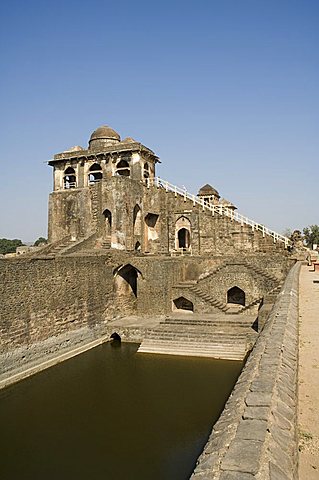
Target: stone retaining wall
{"points": [[256, 435]]}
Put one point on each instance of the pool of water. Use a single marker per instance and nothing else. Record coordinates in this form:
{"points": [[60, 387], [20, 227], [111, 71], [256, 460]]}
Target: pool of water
{"points": [[113, 414]]}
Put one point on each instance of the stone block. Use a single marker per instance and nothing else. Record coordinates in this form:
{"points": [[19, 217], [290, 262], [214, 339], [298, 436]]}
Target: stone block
{"points": [[252, 430], [243, 456], [256, 413], [258, 399]]}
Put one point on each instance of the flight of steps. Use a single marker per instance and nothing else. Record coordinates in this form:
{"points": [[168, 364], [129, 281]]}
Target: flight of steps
{"points": [[106, 244], [200, 337], [57, 249], [208, 298]]}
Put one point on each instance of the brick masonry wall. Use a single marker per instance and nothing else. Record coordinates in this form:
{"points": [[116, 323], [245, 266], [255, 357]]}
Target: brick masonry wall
{"points": [[256, 435]]}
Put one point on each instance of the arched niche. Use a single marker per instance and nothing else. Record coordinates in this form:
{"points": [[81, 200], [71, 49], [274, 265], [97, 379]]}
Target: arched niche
{"points": [[182, 303], [126, 282], [137, 220], [107, 222], [236, 296]]}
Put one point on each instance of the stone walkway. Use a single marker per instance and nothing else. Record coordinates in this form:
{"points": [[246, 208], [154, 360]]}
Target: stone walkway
{"points": [[309, 374]]}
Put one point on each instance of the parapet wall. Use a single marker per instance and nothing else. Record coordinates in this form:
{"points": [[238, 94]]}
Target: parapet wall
{"points": [[256, 435]]}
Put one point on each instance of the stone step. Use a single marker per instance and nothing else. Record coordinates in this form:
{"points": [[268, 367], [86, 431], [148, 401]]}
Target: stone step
{"points": [[213, 323], [196, 337], [227, 352]]}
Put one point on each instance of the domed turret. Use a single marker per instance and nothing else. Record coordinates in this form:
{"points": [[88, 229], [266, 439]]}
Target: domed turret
{"points": [[103, 137], [209, 195], [208, 190]]}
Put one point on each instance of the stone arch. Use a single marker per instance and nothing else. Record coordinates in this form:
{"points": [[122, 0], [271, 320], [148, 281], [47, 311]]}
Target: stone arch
{"points": [[183, 233], [146, 171], [137, 246], [137, 220], [182, 303], [69, 178], [95, 173], [126, 287], [151, 232], [107, 214], [236, 295], [123, 168]]}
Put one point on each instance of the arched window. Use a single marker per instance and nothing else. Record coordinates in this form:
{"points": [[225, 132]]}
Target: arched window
{"points": [[108, 222], [146, 173], [236, 295], [69, 178], [123, 168], [183, 236], [95, 173]]}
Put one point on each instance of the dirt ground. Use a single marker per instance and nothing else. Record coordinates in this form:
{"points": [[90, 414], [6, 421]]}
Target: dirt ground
{"points": [[308, 374]]}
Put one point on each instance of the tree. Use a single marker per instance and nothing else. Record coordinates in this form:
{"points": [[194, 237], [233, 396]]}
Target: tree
{"points": [[40, 241], [9, 246], [311, 234]]}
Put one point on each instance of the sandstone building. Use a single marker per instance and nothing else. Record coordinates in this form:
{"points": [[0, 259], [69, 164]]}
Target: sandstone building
{"points": [[120, 237]]}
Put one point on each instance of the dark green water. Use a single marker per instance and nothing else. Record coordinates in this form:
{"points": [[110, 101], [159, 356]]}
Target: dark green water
{"points": [[112, 414]]}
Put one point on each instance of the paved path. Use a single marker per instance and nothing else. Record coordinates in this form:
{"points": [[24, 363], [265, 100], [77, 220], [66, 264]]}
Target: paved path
{"points": [[309, 374]]}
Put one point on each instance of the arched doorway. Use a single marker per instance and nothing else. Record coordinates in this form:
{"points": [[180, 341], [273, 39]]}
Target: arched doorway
{"points": [[183, 236], [182, 233], [181, 303], [236, 295]]}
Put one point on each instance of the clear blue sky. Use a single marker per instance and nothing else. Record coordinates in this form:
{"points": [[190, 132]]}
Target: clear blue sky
{"points": [[225, 92]]}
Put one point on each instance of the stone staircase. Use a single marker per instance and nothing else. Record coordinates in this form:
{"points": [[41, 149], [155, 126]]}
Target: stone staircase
{"points": [[106, 244], [208, 298], [214, 336], [58, 249]]}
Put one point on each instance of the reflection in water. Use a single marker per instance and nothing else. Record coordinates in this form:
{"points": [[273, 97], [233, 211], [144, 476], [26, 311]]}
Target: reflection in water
{"points": [[111, 414]]}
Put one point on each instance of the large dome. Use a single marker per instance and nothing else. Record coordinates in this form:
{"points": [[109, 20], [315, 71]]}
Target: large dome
{"points": [[103, 136]]}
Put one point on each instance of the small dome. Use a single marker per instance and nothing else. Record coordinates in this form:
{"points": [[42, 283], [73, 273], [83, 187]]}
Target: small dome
{"points": [[227, 203], [207, 190], [129, 140], [77, 148], [103, 137], [105, 132]]}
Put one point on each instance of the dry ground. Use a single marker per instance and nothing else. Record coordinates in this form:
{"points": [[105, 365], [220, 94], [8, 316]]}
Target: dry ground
{"points": [[309, 375]]}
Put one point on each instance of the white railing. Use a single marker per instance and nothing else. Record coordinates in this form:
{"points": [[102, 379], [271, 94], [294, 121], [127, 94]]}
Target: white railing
{"points": [[221, 210]]}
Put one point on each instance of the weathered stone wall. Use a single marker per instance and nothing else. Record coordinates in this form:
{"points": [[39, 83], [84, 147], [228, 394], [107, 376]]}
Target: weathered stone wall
{"points": [[42, 298], [256, 435], [78, 213]]}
